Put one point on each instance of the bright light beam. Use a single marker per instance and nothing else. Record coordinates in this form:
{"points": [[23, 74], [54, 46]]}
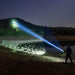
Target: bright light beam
{"points": [[36, 35]]}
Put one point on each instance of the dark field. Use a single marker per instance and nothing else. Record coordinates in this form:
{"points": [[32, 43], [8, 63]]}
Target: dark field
{"points": [[18, 64]]}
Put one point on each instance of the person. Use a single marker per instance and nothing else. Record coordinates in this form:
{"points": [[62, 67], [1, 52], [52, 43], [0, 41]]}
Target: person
{"points": [[68, 54]]}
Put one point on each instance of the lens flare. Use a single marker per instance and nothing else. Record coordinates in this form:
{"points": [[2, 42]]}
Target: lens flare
{"points": [[19, 25]]}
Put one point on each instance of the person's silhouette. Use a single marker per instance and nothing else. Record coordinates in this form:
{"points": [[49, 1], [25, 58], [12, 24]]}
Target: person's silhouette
{"points": [[68, 54]]}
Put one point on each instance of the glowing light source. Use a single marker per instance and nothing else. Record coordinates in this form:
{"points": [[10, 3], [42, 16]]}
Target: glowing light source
{"points": [[14, 23], [17, 24]]}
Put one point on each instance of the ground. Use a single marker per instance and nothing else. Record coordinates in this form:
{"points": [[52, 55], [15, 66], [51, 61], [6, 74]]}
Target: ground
{"points": [[15, 64]]}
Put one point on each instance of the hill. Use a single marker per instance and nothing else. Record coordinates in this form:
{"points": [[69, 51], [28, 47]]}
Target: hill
{"points": [[63, 34], [6, 28]]}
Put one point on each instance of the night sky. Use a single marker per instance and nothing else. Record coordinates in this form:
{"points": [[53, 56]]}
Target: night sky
{"points": [[40, 12]]}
